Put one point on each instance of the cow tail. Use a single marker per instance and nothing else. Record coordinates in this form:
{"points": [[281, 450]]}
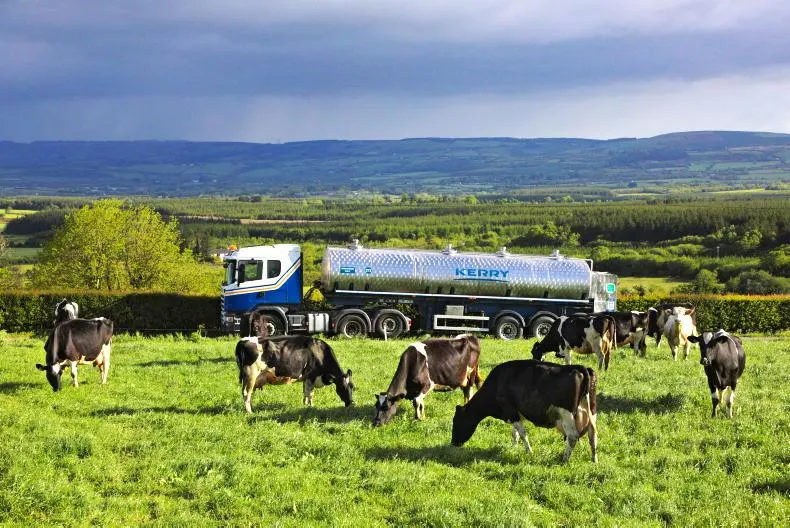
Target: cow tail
{"points": [[240, 359], [593, 389]]}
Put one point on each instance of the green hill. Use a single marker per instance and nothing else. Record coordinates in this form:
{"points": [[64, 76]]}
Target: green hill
{"points": [[434, 165]]}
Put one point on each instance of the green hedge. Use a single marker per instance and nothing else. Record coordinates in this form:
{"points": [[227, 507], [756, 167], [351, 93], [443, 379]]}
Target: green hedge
{"points": [[735, 313], [131, 312], [166, 312]]}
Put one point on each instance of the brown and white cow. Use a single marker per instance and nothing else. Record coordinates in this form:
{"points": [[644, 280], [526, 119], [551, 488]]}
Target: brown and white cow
{"points": [[546, 394], [678, 328], [77, 342], [281, 360], [584, 334], [658, 316], [433, 364]]}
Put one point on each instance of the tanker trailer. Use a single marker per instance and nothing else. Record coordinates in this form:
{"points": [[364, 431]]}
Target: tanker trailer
{"points": [[500, 293]]}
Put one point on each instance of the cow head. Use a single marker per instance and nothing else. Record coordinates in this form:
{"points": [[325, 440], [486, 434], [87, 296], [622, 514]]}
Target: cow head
{"points": [[537, 351], [703, 341], [463, 426], [386, 406], [54, 372], [345, 389]]}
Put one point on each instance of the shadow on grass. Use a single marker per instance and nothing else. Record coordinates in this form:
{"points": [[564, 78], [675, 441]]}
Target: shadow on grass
{"points": [[665, 404], [177, 362], [336, 414], [131, 411], [13, 386], [781, 486], [445, 454]]}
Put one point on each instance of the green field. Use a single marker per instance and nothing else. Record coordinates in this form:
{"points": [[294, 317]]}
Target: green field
{"points": [[166, 442], [653, 285]]}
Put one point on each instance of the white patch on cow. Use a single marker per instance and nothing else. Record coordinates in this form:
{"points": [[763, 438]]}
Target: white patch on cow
{"points": [[382, 399], [651, 309], [419, 404], [730, 401], [56, 368], [567, 425], [462, 336], [251, 339], [520, 432], [420, 347], [707, 337], [74, 373], [104, 364]]}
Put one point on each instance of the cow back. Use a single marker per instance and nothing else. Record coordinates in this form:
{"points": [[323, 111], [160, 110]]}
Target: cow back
{"points": [[78, 339], [448, 359]]}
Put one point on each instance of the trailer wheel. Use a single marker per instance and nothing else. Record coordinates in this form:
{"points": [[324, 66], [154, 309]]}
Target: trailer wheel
{"points": [[540, 326], [508, 328], [391, 325], [352, 325]]}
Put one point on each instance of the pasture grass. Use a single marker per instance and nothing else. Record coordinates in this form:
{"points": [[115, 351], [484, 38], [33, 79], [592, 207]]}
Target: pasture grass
{"points": [[166, 442]]}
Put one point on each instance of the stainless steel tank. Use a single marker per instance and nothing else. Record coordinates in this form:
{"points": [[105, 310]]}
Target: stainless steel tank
{"points": [[450, 272]]}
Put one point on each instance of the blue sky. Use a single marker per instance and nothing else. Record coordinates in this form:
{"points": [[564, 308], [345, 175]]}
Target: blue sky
{"points": [[264, 71]]}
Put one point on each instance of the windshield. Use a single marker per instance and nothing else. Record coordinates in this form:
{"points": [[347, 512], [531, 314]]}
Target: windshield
{"points": [[230, 272]]}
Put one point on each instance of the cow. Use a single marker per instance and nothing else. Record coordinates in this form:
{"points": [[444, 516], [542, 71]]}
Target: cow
{"points": [[66, 311], [433, 364], [658, 315], [724, 360], [77, 342], [286, 359], [630, 328], [679, 326], [585, 334], [546, 394]]}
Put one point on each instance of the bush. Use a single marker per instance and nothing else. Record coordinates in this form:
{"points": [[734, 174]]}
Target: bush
{"points": [[758, 282], [131, 312], [735, 313]]}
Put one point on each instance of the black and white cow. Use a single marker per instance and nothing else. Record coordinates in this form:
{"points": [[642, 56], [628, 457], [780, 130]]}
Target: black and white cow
{"points": [[66, 311], [546, 394], [77, 342], [658, 316], [585, 334], [433, 364], [290, 358], [724, 360], [630, 328]]}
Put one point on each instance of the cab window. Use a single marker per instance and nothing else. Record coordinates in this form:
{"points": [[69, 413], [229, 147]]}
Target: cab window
{"points": [[273, 269], [253, 271]]}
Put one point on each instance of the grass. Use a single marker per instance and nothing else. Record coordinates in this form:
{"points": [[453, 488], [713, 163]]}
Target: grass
{"points": [[653, 285], [166, 441]]}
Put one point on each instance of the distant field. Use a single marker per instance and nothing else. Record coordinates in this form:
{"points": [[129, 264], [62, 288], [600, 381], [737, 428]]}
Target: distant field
{"points": [[166, 442], [657, 285]]}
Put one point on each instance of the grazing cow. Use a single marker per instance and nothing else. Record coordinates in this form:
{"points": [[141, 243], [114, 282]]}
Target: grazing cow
{"points": [[658, 315], [546, 394], [77, 342], [679, 326], [433, 364], [629, 329], [723, 357], [66, 311], [287, 359], [585, 334]]}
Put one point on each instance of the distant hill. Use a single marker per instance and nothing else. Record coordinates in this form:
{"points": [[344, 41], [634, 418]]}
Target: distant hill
{"points": [[435, 165]]}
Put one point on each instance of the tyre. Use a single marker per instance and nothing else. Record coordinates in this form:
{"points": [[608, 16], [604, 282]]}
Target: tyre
{"points": [[352, 325], [390, 325], [273, 325], [508, 328], [540, 326]]}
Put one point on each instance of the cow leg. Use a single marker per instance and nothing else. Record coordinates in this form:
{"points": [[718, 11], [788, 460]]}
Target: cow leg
{"points": [[468, 392], [714, 397], [674, 350], [567, 424], [686, 350], [74, 374], [105, 366], [730, 400], [419, 406], [309, 390], [587, 422], [520, 432], [249, 377]]}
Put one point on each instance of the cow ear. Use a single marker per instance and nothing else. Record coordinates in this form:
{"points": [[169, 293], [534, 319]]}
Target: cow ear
{"points": [[693, 339], [348, 373], [39, 366]]}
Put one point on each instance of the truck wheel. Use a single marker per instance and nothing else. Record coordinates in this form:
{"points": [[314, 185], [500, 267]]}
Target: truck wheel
{"points": [[540, 326], [352, 325], [391, 325], [508, 328], [274, 326]]}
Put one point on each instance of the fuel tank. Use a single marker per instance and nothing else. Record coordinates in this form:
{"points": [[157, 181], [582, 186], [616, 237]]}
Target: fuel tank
{"points": [[455, 273]]}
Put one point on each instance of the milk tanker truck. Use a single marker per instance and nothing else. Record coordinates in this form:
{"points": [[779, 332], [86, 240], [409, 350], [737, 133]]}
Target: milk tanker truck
{"points": [[367, 291]]}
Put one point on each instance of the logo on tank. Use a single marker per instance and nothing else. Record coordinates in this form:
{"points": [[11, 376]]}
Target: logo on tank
{"points": [[482, 274]]}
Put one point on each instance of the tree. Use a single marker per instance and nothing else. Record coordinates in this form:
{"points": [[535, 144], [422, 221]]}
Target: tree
{"points": [[706, 281], [758, 282], [108, 245]]}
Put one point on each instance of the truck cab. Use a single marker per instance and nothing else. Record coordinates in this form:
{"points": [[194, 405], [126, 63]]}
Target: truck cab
{"points": [[260, 276]]}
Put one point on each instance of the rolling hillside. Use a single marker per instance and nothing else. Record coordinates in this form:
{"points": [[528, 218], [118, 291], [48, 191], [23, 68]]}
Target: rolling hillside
{"points": [[181, 168]]}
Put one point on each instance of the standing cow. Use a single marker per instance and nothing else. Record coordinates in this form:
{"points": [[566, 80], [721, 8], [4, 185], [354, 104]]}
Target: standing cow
{"points": [[546, 394], [678, 328], [433, 364], [287, 359], [658, 316], [66, 311], [77, 342], [584, 334], [724, 360]]}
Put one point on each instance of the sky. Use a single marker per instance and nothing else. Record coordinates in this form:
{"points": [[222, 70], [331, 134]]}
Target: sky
{"points": [[276, 71]]}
